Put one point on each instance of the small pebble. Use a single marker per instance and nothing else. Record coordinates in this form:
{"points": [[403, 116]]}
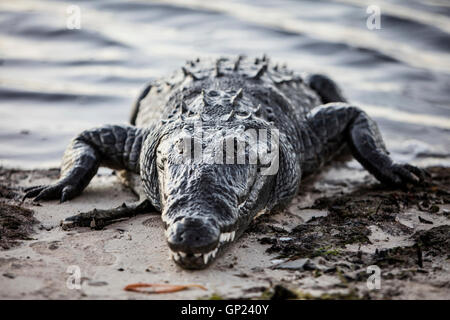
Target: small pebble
{"points": [[53, 246], [45, 227], [97, 283], [434, 209], [257, 269]]}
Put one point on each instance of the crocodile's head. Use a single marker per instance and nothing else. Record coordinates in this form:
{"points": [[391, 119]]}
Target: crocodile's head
{"points": [[206, 203]]}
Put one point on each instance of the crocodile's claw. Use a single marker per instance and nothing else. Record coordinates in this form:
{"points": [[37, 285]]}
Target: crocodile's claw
{"points": [[404, 174], [58, 190]]}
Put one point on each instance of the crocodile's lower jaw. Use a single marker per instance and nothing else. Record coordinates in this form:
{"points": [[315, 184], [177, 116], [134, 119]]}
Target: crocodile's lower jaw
{"points": [[201, 260]]}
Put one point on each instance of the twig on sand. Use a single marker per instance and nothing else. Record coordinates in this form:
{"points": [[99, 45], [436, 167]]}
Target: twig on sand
{"points": [[160, 287]]}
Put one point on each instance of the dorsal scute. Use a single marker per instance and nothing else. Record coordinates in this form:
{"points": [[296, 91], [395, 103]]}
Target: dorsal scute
{"points": [[257, 69], [225, 86], [234, 88]]}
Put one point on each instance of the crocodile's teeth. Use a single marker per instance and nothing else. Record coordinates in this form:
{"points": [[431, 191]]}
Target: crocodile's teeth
{"points": [[227, 236], [205, 258]]}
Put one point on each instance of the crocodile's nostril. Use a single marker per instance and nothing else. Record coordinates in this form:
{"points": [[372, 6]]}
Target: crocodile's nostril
{"points": [[193, 235]]}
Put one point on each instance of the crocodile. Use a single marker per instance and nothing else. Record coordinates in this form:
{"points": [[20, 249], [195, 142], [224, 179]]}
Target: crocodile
{"points": [[206, 205]]}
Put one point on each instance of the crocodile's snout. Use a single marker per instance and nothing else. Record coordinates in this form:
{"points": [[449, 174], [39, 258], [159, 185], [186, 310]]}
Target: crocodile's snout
{"points": [[195, 241], [192, 235]]}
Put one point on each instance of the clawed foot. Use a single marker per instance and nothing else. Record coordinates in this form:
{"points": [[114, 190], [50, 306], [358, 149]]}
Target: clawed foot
{"points": [[404, 174], [58, 190]]}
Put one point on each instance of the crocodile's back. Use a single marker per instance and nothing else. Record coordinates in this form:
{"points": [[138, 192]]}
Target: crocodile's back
{"points": [[280, 93]]}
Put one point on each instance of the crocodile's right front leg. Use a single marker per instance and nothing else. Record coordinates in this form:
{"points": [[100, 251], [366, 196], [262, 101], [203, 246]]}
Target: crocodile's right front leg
{"points": [[114, 146], [97, 218]]}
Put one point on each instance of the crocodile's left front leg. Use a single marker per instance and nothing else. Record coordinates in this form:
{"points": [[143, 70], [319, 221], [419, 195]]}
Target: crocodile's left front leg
{"points": [[113, 146], [332, 126]]}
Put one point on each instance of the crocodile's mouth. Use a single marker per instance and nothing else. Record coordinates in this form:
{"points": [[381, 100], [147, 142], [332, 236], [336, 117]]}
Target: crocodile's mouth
{"points": [[202, 260]]}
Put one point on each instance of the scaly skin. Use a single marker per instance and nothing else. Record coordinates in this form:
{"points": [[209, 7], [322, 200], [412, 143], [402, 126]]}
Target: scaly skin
{"points": [[205, 206]]}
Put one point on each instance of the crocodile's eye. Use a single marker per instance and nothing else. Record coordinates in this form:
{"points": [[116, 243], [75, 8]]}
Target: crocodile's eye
{"points": [[243, 114], [213, 93]]}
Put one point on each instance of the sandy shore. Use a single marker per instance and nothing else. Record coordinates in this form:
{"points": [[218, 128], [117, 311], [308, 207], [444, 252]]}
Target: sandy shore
{"points": [[320, 247]]}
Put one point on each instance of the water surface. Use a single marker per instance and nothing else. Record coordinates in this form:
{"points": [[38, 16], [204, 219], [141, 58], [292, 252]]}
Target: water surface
{"points": [[55, 82]]}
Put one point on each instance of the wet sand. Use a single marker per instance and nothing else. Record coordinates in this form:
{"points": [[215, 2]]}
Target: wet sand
{"points": [[319, 248]]}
